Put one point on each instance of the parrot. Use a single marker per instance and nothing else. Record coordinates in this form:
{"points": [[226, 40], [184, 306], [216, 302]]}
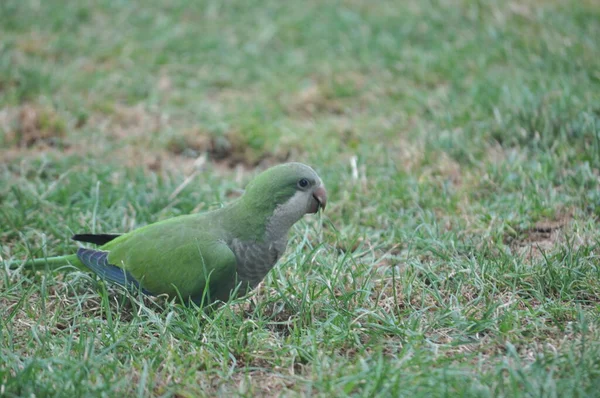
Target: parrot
{"points": [[205, 257]]}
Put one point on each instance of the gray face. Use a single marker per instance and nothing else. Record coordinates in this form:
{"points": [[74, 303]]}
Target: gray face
{"points": [[309, 197]]}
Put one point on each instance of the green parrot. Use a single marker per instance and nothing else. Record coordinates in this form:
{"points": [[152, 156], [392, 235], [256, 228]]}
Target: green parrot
{"points": [[210, 256]]}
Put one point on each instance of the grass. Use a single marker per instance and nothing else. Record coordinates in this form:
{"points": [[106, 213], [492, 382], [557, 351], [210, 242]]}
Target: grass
{"points": [[460, 144]]}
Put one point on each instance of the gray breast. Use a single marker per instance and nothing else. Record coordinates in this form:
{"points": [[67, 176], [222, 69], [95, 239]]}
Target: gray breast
{"points": [[255, 259]]}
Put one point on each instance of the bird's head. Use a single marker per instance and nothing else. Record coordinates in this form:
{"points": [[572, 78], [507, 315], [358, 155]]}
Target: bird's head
{"points": [[288, 191]]}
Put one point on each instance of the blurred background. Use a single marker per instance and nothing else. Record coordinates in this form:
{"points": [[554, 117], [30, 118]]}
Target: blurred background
{"points": [[415, 93]]}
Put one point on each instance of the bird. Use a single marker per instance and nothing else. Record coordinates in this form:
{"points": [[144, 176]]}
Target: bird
{"points": [[205, 257]]}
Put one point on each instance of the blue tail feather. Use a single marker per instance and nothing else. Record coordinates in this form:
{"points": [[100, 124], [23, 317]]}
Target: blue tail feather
{"points": [[97, 261]]}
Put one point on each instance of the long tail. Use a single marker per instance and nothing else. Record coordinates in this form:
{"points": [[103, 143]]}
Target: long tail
{"points": [[47, 263]]}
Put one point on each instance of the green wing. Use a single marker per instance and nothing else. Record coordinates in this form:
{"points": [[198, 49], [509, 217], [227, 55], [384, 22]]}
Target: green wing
{"points": [[177, 257]]}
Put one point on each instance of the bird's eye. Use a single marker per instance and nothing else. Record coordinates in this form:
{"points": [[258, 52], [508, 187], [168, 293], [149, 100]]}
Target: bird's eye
{"points": [[303, 183]]}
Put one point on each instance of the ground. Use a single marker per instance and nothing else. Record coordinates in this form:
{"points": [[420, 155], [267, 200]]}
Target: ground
{"points": [[460, 144]]}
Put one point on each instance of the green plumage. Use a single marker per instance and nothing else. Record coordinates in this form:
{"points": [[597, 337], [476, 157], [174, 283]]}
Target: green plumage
{"points": [[226, 249]]}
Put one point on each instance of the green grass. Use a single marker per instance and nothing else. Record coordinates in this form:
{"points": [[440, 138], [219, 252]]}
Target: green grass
{"points": [[460, 144]]}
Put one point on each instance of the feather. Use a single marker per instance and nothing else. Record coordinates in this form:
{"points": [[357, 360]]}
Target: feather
{"points": [[97, 261], [97, 239]]}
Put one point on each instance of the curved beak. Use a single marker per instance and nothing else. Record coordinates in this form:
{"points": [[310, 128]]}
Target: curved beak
{"points": [[320, 195]]}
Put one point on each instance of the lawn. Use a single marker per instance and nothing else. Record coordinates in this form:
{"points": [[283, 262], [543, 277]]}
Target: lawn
{"points": [[459, 141]]}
